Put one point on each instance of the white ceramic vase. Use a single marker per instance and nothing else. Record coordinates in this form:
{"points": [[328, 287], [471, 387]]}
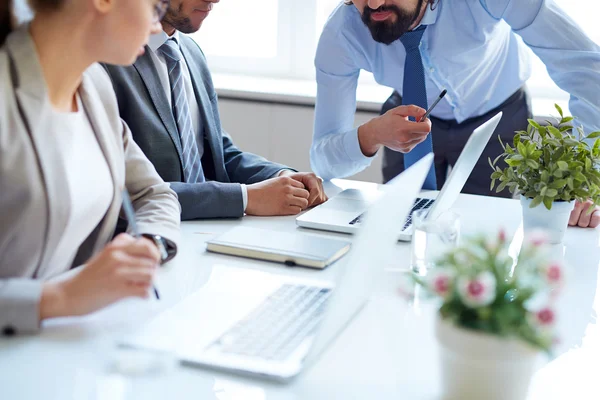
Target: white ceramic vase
{"points": [[554, 221], [478, 366]]}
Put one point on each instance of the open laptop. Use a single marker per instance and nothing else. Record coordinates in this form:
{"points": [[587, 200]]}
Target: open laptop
{"points": [[269, 325], [344, 212]]}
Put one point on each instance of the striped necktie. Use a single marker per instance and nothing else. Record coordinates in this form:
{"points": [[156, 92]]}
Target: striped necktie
{"points": [[192, 162], [415, 93]]}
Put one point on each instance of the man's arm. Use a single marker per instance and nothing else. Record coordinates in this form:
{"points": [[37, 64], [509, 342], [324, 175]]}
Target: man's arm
{"points": [[335, 150], [572, 59], [209, 200]]}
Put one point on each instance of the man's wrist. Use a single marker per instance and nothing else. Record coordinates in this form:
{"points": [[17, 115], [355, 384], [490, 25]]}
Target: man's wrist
{"points": [[367, 141], [53, 303]]}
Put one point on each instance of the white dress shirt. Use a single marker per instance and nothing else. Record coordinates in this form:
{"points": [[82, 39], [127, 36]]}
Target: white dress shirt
{"points": [[160, 63], [475, 49]]}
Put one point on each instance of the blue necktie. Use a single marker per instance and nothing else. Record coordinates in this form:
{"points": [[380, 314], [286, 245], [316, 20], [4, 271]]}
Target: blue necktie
{"points": [[192, 162], [415, 93]]}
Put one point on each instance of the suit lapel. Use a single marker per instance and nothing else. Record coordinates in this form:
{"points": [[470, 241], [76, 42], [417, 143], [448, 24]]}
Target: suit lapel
{"points": [[31, 93], [210, 129], [145, 67]]}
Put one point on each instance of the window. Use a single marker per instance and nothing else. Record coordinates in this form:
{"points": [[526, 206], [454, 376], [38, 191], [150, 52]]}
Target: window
{"points": [[279, 38], [585, 13]]}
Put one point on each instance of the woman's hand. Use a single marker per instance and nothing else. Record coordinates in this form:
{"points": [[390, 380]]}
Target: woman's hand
{"points": [[124, 268]]}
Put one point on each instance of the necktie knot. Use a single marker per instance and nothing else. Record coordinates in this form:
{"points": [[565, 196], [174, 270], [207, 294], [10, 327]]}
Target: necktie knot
{"points": [[412, 39], [170, 49]]}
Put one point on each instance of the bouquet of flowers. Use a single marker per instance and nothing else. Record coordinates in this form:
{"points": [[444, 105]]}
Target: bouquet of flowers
{"points": [[483, 289]]}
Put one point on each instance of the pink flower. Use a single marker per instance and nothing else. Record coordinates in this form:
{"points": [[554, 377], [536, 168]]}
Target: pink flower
{"points": [[441, 283], [502, 236], [537, 238], [554, 274], [545, 317], [479, 291]]}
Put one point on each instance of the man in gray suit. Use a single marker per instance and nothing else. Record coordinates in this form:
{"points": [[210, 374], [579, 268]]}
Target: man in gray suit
{"points": [[169, 102]]}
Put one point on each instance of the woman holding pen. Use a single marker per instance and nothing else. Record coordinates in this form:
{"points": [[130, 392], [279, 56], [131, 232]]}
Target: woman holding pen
{"points": [[65, 158]]}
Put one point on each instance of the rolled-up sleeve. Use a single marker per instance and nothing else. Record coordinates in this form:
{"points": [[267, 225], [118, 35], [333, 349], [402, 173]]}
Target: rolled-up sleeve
{"points": [[571, 57], [335, 150], [20, 306]]}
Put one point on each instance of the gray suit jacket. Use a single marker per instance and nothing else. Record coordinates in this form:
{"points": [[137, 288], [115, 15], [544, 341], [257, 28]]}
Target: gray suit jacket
{"points": [[145, 107], [33, 212]]}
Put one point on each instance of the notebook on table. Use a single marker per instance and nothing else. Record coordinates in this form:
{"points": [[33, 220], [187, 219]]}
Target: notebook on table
{"points": [[289, 248]]}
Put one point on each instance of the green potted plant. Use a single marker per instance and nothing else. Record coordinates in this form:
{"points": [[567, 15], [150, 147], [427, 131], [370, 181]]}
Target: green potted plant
{"points": [[496, 315], [550, 167]]}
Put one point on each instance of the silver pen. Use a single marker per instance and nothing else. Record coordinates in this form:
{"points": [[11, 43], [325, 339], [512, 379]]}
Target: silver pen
{"points": [[440, 97], [130, 214]]}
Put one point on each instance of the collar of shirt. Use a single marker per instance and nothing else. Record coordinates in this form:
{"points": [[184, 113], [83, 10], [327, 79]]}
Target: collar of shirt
{"points": [[160, 38], [430, 16]]}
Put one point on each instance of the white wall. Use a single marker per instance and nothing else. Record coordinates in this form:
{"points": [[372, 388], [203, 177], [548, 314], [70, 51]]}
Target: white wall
{"points": [[281, 132]]}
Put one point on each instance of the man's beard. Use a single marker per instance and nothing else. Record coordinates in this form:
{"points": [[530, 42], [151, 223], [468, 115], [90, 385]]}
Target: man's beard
{"points": [[178, 21], [388, 32]]}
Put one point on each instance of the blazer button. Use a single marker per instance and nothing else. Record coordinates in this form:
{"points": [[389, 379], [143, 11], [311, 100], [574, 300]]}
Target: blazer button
{"points": [[9, 331]]}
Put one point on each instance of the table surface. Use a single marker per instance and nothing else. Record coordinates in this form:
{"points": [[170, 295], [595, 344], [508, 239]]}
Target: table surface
{"points": [[387, 352]]}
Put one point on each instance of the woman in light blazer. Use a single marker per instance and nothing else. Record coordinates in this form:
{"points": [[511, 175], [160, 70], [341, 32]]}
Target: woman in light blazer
{"points": [[65, 156]]}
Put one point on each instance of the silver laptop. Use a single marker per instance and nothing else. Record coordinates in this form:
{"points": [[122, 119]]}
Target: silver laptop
{"points": [[269, 325], [344, 212]]}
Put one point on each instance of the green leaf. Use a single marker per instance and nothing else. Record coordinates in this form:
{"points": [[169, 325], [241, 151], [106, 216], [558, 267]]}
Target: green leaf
{"points": [[558, 173], [544, 191], [570, 183], [536, 202], [522, 149], [532, 164], [534, 124], [566, 120], [560, 111], [593, 135], [548, 202], [545, 176], [516, 140], [552, 193], [555, 132], [501, 187], [588, 163], [562, 165]]}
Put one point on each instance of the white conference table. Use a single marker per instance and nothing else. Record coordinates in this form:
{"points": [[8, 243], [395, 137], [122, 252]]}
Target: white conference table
{"points": [[387, 352]]}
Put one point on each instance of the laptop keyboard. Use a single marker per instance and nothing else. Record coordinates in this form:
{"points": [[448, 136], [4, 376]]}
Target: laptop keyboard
{"points": [[418, 205], [277, 326]]}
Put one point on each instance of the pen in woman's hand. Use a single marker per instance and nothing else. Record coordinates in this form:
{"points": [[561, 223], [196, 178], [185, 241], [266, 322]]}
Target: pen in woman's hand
{"points": [[130, 214]]}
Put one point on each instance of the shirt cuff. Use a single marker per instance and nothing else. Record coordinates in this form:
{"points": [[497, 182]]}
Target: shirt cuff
{"points": [[352, 148], [20, 306], [276, 174], [245, 196]]}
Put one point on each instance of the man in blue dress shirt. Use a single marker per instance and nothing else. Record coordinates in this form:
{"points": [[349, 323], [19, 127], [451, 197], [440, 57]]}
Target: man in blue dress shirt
{"points": [[476, 49]]}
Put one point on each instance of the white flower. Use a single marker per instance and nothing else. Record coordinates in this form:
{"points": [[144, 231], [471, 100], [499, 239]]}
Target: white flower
{"points": [[553, 274], [441, 282], [543, 318], [479, 291]]}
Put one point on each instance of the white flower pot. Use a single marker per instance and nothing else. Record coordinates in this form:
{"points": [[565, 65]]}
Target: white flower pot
{"points": [[477, 366], [554, 221]]}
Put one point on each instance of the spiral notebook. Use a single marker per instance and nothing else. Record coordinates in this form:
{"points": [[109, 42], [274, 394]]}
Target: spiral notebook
{"points": [[288, 248]]}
